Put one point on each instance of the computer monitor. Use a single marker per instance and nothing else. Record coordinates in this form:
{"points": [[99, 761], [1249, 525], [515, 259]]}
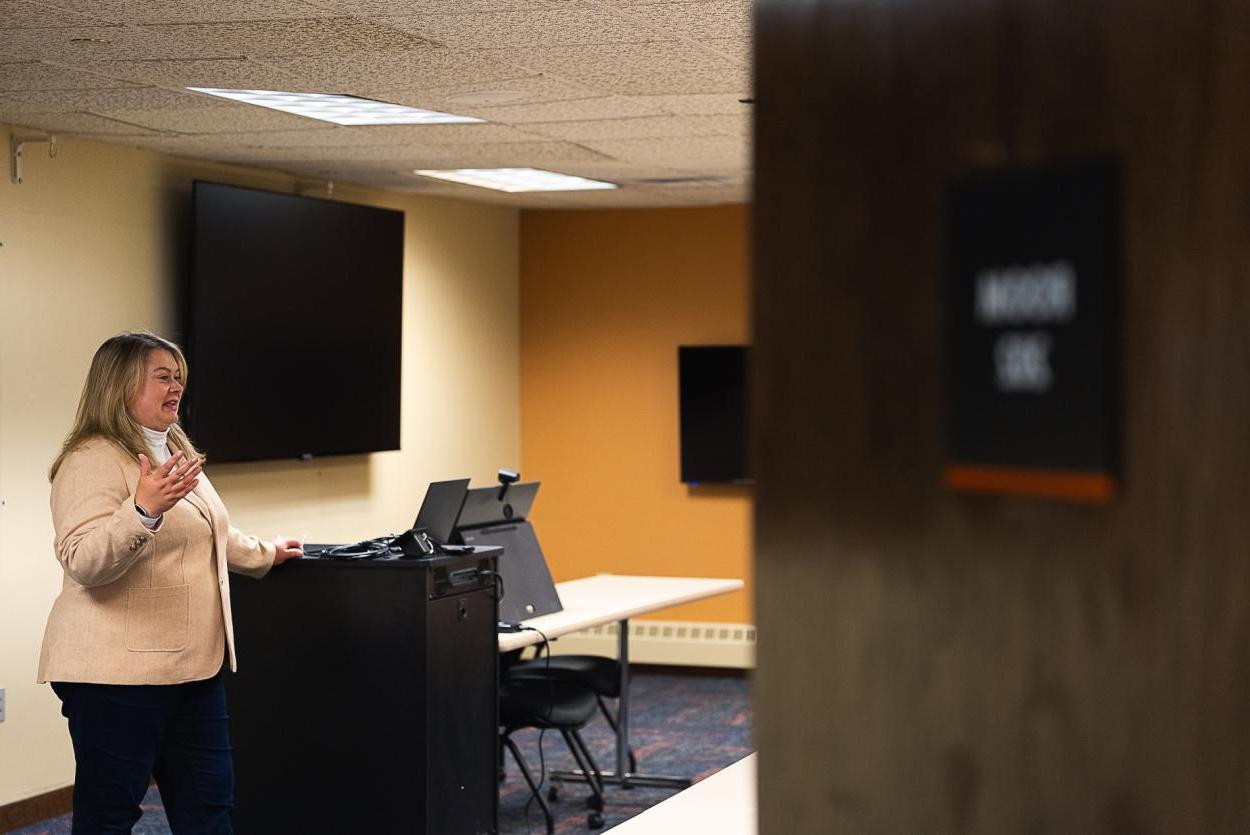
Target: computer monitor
{"points": [[483, 505], [441, 508]]}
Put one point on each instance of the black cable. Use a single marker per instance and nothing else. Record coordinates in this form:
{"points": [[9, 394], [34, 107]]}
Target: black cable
{"points": [[542, 758], [499, 590], [366, 549], [542, 768]]}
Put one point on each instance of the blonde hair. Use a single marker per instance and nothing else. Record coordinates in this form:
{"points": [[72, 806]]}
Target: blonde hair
{"points": [[117, 370]]}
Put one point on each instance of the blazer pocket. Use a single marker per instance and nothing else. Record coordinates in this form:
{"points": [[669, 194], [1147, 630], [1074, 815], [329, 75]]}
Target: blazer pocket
{"points": [[159, 619]]}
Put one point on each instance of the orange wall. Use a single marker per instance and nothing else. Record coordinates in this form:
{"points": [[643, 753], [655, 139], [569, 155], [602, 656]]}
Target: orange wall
{"points": [[606, 298]]}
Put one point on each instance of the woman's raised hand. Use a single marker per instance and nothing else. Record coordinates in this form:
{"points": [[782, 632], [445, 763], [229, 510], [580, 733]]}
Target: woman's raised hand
{"points": [[162, 488]]}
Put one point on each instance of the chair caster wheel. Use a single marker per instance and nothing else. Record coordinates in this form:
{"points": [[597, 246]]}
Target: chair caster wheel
{"points": [[553, 794], [594, 820]]}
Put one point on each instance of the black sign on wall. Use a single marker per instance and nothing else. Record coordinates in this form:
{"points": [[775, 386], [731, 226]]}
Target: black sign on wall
{"points": [[1034, 257]]}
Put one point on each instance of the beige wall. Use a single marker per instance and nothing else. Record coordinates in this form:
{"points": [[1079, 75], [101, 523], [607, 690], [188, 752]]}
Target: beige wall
{"points": [[89, 244]]}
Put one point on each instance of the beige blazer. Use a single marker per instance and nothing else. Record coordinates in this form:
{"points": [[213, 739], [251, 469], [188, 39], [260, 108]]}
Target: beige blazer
{"points": [[140, 606]]}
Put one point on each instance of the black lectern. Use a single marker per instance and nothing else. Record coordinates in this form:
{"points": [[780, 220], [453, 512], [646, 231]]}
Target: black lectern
{"points": [[366, 696]]}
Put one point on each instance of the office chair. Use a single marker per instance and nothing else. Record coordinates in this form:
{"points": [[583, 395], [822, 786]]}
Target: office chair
{"points": [[601, 675], [557, 705]]}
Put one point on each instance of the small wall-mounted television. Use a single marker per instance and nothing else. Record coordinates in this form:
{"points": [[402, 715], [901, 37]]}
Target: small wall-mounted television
{"points": [[715, 420], [292, 320]]}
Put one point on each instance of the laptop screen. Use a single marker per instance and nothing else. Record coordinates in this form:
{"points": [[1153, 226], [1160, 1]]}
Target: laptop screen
{"points": [[441, 507]]}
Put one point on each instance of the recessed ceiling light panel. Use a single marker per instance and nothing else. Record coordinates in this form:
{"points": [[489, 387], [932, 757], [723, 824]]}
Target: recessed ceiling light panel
{"points": [[515, 179], [336, 108]]}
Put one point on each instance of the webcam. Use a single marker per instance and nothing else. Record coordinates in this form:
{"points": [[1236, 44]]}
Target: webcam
{"points": [[506, 478]]}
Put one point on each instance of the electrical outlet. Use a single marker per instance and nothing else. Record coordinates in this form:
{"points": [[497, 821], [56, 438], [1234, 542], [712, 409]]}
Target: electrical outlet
{"points": [[1, 704]]}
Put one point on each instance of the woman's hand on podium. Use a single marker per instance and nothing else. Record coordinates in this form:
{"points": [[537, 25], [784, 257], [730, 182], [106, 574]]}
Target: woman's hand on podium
{"points": [[287, 547]]}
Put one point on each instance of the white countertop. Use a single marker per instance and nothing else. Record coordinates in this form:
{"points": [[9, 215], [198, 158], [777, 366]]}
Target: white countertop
{"points": [[724, 803]]}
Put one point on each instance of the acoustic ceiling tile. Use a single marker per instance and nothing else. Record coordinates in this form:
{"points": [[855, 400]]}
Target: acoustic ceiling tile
{"points": [[346, 138], [26, 14], [601, 107], [550, 90], [100, 101], [194, 11], [526, 28], [184, 144], [230, 73], [716, 196], [638, 69], [213, 119], [474, 95], [390, 8], [67, 44], [703, 103], [657, 2], [342, 36], [362, 73], [504, 155], [332, 155], [607, 170], [624, 198], [35, 75], [705, 151], [453, 134], [339, 36], [638, 128], [709, 19], [731, 124], [73, 123], [219, 153], [738, 50]]}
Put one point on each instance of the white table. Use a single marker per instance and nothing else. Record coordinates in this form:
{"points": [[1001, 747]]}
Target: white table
{"points": [[724, 803], [603, 598]]}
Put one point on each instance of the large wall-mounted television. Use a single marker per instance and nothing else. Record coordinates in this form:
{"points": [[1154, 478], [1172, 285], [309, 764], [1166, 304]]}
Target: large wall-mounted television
{"points": [[715, 420], [292, 320]]}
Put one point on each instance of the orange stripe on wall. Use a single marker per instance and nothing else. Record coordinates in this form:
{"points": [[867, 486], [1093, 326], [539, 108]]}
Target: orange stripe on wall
{"points": [[1093, 487], [606, 298]]}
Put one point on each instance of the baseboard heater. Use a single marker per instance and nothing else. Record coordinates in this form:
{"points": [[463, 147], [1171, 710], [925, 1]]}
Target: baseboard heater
{"points": [[681, 643]]}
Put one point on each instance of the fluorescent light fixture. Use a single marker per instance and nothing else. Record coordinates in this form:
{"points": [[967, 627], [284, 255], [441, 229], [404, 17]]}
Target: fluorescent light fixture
{"points": [[515, 179], [339, 109]]}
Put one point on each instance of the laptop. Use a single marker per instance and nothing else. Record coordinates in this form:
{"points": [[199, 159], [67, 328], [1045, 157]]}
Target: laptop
{"points": [[441, 508]]}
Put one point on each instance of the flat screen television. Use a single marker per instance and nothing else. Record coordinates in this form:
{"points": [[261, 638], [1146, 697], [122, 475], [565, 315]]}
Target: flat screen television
{"points": [[715, 421], [292, 319]]}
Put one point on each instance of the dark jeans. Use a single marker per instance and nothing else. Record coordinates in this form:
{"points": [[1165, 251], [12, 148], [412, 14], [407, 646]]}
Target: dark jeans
{"points": [[123, 734]]}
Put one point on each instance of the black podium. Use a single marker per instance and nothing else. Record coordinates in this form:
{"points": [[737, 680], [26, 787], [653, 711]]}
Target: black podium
{"points": [[366, 696]]}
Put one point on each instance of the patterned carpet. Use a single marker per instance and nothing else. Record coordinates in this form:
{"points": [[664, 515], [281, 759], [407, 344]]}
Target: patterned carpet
{"points": [[680, 724]]}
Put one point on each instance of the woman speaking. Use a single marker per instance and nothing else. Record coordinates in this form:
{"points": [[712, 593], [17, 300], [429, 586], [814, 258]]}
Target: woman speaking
{"points": [[139, 635]]}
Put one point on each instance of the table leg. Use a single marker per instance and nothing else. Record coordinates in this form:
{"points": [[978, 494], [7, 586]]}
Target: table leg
{"points": [[621, 776], [622, 705]]}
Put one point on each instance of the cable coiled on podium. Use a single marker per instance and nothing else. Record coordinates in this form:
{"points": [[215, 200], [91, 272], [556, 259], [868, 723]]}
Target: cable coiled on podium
{"points": [[366, 549]]}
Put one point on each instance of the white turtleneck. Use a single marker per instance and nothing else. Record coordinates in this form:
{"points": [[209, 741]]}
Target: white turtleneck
{"points": [[159, 447]]}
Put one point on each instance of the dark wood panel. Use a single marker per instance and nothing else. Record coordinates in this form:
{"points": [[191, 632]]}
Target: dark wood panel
{"points": [[932, 662], [35, 809]]}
